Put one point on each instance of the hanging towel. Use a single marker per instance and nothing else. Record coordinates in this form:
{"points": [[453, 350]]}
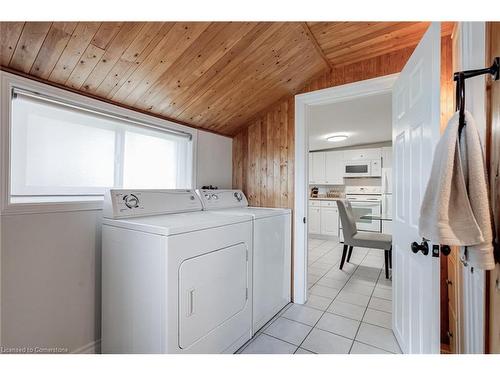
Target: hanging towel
{"points": [[455, 209]]}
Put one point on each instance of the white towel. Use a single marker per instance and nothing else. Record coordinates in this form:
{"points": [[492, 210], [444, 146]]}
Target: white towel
{"points": [[456, 209]]}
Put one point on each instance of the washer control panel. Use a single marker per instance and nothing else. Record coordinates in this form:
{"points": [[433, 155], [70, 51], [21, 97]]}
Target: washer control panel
{"points": [[123, 203], [219, 199]]}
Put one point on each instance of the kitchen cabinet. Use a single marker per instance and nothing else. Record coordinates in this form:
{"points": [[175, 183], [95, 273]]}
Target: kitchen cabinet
{"points": [[311, 181], [323, 217], [363, 154], [334, 167], [329, 221], [314, 226], [386, 157], [326, 168], [317, 168]]}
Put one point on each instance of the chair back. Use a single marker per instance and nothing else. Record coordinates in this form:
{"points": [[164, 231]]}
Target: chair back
{"points": [[347, 219]]}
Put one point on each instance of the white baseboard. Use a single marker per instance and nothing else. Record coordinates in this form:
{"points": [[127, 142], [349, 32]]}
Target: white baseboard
{"points": [[93, 347]]}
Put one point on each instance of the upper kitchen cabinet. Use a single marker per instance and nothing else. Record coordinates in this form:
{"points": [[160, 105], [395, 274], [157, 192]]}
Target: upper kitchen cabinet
{"points": [[334, 167], [386, 157], [317, 168], [363, 154], [326, 168]]}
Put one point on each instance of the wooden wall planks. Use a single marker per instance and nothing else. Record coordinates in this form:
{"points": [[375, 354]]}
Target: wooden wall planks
{"points": [[263, 166], [493, 126]]}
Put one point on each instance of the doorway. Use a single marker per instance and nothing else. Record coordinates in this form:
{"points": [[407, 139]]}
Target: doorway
{"points": [[303, 106]]}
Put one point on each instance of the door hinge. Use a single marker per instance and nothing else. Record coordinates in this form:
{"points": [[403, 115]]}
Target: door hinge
{"points": [[304, 219]]}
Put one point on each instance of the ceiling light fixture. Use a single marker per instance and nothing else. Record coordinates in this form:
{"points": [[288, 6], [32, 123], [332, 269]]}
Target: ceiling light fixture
{"points": [[337, 138]]}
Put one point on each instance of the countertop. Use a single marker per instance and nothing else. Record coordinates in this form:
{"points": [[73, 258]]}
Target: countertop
{"points": [[325, 199]]}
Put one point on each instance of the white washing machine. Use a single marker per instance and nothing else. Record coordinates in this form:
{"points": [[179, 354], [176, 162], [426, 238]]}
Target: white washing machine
{"points": [[175, 279], [271, 250]]}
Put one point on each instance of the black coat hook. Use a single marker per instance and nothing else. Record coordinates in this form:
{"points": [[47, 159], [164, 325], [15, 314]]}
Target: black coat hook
{"points": [[460, 78]]}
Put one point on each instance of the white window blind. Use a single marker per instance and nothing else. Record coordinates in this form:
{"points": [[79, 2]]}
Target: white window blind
{"points": [[60, 149]]}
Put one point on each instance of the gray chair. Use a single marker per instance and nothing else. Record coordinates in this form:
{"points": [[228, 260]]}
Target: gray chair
{"points": [[361, 239]]}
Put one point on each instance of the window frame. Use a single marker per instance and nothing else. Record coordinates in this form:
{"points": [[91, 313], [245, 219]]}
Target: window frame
{"points": [[8, 82]]}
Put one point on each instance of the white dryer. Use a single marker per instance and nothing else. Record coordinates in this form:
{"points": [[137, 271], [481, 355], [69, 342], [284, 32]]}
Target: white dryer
{"points": [[175, 279], [271, 250]]}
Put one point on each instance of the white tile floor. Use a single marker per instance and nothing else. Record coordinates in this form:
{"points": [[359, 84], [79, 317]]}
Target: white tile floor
{"points": [[348, 311]]}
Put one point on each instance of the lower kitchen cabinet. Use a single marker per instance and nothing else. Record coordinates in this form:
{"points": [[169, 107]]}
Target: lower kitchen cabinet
{"points": [[323, 218], [314, 220], [329, 221]]}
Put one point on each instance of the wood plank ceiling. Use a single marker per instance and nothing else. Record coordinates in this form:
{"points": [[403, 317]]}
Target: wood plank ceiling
{"points": [[212, 75]]}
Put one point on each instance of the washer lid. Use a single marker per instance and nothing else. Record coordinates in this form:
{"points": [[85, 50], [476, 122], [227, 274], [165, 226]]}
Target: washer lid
{"points": [[255, 212], [168, 225]]}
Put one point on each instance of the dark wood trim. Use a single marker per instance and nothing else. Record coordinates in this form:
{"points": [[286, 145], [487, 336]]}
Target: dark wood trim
{"points": [[24, 75]]}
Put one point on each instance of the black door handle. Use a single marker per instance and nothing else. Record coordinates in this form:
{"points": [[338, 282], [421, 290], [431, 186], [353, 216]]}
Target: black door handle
{"points": [[445, 250], [423, 247]]}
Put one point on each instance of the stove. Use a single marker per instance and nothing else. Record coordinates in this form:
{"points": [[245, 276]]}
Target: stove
{"points": [[366, 200]]}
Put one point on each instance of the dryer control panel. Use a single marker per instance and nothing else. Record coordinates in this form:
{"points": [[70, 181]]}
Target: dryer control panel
{"points": [[123, 203], [220, 199]]}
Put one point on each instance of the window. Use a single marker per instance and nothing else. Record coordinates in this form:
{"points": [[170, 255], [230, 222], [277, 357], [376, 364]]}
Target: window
{"points": [[60, 150]]}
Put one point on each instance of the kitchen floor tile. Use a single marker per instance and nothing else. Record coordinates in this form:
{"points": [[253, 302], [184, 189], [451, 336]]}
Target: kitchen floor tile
{"points": [[380, 304], [303, 351], [264, 344], [379, 337], [378, 318], [365, 290], [288, 330], [323, 342], [318, 302], [360, 348], [339, 325], [347, 309], [303, 314], [330, 282], [324, 291], [382, 293], [354, 298]]}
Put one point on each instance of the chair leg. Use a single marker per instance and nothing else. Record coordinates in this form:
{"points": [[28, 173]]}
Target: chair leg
{"points": [[390, 258], [344, 253], [349, 254], [386, 254]]}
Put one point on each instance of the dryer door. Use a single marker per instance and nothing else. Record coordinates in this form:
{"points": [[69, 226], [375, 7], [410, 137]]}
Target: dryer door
{"points": [[213, 287]]}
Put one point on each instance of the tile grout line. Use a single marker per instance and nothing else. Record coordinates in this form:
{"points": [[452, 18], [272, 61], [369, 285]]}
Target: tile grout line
{"points": [[364, 313]]}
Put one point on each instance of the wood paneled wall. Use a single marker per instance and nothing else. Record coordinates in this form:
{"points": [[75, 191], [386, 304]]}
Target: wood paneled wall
{"points": [[263, 150], [493, 127]]}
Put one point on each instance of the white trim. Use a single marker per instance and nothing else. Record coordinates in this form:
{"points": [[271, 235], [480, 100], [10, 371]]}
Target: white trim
{"points": [[9, 81], [471, 54], [303, 102], [93, 347]]}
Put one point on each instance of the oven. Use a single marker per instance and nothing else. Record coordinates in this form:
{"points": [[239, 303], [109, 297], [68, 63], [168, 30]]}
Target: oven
{"points": [[366, 205]]}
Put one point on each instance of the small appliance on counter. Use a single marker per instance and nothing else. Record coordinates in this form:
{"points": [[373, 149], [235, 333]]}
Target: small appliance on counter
{"points": [[314, 192]]}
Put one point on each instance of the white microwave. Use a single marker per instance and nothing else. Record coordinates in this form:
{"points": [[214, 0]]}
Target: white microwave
{"points": [[362, 168]]}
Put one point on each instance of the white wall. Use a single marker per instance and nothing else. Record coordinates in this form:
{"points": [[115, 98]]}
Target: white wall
{"points": [[215, 163], [50, 266]]}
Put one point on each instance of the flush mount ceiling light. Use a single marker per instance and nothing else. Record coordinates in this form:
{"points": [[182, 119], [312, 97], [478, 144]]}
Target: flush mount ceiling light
{"points": [[337, 138]]}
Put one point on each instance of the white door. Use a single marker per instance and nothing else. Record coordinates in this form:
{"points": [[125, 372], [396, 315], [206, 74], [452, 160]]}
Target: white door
{"points": [[415, 133]]}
